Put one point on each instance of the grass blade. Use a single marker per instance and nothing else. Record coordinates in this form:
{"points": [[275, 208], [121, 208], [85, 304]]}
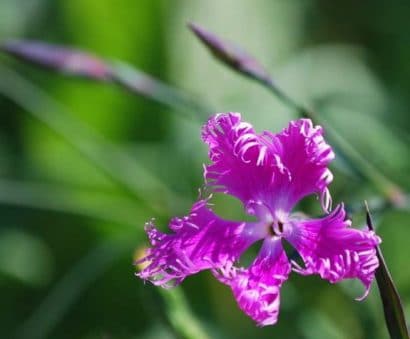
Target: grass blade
{"points": [[392, 306], [96, 205], [64, 294], [110, 158]]}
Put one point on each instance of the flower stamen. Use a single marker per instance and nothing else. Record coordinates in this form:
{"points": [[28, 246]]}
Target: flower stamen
{"points": [[275, 228]]}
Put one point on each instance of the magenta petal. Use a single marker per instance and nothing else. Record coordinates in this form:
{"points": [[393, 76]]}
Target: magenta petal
{"points": [[199, 241], [276, 169], [330, 248], [241, 164], [305, 154], [257, 288]]}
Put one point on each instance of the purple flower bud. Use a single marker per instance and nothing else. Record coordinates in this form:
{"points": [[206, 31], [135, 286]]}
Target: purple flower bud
{"points": [[58, 58], [232, 55]]}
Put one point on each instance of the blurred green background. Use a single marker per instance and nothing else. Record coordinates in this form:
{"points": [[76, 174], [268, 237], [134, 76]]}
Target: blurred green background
{"points": [[68, 231]]}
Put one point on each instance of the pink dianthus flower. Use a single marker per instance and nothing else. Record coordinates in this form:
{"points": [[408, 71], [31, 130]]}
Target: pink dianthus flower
{"points": [[270, 173]]}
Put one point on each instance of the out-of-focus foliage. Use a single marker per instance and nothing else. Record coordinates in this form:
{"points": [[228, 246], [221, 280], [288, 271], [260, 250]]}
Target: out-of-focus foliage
{"points": [[68, 230]]}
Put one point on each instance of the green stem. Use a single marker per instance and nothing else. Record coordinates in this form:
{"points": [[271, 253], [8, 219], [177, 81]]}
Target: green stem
{"points": [[389, 189], [140, 83], [180, 315], [284, 98], [83, 274]]}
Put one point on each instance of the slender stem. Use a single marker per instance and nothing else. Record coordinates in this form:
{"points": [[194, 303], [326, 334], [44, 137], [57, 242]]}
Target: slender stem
{"points": [[140, 83], [389, 189], [180, 315], [287, 100]]}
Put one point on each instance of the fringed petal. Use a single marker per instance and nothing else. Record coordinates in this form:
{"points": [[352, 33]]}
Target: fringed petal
{"points": [[199, 241], [257, 288], [334, 250], [305, 154], [276, 169]]}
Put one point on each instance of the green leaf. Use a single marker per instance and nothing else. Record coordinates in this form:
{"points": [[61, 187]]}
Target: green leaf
{"points": [[392, 306]]}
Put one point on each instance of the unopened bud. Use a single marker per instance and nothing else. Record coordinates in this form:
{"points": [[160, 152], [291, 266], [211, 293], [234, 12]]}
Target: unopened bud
{"points": [[231, 55], [58, 58]]}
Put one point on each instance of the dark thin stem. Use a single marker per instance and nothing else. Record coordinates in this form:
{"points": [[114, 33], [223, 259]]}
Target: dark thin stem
{"points": [[287, 100]]}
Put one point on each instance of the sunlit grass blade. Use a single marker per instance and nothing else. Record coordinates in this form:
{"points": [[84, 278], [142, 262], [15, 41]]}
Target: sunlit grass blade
{"points": [[240, 61], [97, 205], [392, 306], [112, 159]]}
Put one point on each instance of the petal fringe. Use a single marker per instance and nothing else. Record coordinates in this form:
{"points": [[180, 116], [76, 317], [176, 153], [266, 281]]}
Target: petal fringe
{"points": [[334, 250], [199, 241], [277, 169]]}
